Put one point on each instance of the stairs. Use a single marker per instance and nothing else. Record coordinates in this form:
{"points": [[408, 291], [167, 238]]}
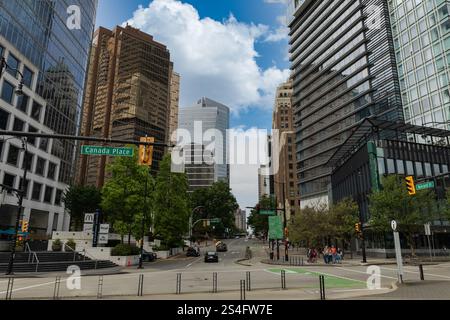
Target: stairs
{"points": [[51, 262]]}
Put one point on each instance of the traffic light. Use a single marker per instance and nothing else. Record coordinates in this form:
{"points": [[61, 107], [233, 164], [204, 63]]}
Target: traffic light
{"points": [[410, 185], [358, 227], [24, 226], [146, 152]]}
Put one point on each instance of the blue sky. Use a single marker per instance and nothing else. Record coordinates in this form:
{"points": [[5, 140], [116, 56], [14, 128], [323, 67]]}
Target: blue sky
{"points": [[111, 13]]}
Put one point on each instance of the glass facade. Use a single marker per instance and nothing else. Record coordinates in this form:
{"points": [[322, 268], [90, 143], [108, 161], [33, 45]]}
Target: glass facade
{"points": [[421, 31], [38, 29], [344, 71]]}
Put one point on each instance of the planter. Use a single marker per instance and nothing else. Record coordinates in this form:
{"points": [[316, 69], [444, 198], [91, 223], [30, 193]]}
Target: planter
{"points": [[126, 261], [163, 254], [57, 248]]}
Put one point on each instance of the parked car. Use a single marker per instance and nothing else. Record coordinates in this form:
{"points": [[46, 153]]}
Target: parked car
{"points": [[211, 257], [221, 247], [149, 256], [192, 252]]}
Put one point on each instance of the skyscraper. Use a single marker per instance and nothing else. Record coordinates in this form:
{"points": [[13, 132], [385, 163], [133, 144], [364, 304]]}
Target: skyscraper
{"points": [[127, 95], [174, 105], [421, 32], [38, 38], [206, 118], [344, 70]]}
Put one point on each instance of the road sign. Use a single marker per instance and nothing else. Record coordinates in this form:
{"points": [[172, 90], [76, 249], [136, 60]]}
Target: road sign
{"points": [[275, 228], [107, 151], [88, 227], [268, 212], [394, 225], [427, 229], [216, 220], [103, 238], [398, 254], [425, 185], [104, 229], [89, 218]]}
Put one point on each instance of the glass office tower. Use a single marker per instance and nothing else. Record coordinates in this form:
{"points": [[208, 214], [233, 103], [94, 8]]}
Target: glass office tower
{"points": [[421, 31], [344, 70], [42, 31]]}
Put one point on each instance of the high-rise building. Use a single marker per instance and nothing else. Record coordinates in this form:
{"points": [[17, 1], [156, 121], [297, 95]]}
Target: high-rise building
{"points": [[207, 124], [285, 178], [127, 95], [240, 219], [344, 70], [174, 105], [37, 38], [421, 31]]}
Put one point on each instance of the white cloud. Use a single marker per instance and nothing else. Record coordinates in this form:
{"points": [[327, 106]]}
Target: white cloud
{"points": [[215, 58]]}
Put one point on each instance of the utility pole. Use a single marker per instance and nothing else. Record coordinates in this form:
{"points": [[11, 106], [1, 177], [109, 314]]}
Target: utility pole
{"points": [[361, 219]]}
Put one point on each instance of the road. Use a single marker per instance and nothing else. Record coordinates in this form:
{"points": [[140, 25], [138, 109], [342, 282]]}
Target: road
{"points": [[160, 279]]}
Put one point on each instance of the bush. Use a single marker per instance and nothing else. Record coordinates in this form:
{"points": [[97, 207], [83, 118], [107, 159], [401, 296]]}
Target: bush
{"points": [[56, 245], [161, 248], [123, 250], [70, 246]]}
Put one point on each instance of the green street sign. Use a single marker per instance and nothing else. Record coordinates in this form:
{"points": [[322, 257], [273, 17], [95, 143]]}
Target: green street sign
{"points": [[107, 151], [275, 228], [425, 185], [216, 220], [268, 212]]}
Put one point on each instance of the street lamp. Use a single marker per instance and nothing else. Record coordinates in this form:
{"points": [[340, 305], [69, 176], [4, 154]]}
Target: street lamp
{"points": [[191, 217], [141, 258]]}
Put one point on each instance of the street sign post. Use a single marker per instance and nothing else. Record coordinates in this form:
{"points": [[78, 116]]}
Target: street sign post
{"points": [[268, 212], [89, 218], [88, 227], [107, 151], [428, 234], [398, 251], [275, 228], [425, 185]]}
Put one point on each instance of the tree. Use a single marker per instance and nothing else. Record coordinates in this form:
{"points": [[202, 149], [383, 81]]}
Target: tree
{"points": [[258, 222], [343, 217], [217, 202], [123, 196], [393, 202], [79, 200], [171, 204], [310, 226]]}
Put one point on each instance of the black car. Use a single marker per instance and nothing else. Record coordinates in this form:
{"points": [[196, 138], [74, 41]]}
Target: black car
{"points": [[149, 256], [211, 257], [192, 252]]}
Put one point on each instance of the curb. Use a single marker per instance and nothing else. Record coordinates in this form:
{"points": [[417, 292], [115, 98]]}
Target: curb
{"points": [[243, 264]]}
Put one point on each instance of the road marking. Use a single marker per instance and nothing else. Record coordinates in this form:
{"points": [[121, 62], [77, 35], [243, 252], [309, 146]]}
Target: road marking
{"points": [[31, 287], [362, 272], [426, 274]]}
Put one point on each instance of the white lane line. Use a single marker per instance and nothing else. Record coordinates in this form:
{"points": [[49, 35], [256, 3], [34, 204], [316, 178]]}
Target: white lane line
{"points": [[31, 287], [426, 274], [325, 274], [362, 272]]}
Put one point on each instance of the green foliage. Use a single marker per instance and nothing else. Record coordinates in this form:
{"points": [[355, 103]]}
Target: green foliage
{"points": [[70, 245], [79, 200], [218, 202], [57, 245], [123, 250], [171, 204], [393, 202], [260, 223], [161, 248], [124, 198]]}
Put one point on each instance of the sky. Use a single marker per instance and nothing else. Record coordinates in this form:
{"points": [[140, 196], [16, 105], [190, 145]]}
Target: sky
{"points": [[232, 51]]}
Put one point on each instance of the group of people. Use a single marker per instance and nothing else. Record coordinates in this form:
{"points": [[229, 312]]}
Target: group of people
{"points": [[331, 255]]}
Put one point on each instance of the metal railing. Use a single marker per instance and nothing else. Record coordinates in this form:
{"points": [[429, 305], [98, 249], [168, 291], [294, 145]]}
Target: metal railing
{"points": [[35, 257]]}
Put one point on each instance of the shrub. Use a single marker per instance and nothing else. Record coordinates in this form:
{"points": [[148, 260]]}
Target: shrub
{"points": [[70, 245], [123, 250], [161, 248], [56, 245]]}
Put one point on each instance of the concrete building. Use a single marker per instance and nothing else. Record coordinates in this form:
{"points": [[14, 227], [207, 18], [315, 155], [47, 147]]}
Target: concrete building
{"points": [[52, 58], [266, 181], [174, 105], [421, 32], [240, 219], [344, 70], [199, 168], [206, 123], [127, 95], [285, 178]]}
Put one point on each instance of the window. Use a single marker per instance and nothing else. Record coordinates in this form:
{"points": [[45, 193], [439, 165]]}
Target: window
{"points": [[4, 116], [7, 92], [58, 197], [28, 160], [419, 169], [32, 140], [27, 77], [400, 167], [43, 144], [48, 194], [390, 166], [51, 174], [18, 125], [409, 168], [36, 111], [8, 180], [36, 194], [40, 166], [13, 65], [381, 168], [13, 155], [22, 103]]}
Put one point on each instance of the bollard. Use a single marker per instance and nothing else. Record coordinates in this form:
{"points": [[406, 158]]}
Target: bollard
{"points": [[56, 289], [215, 282], [100, 287], [283, 279], [178, 283], [249, 286], [140, 292], [322, 287], [242, 290], [422, 276], [9, 290]]}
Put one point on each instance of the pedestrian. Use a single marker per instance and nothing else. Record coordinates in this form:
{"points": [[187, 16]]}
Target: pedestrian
{"points": [[325, 254], [333, 252]]}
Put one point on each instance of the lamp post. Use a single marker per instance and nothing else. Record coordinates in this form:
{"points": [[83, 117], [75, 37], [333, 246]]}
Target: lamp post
{"points": [[191, 225], [363, 241], [141, 258]]}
